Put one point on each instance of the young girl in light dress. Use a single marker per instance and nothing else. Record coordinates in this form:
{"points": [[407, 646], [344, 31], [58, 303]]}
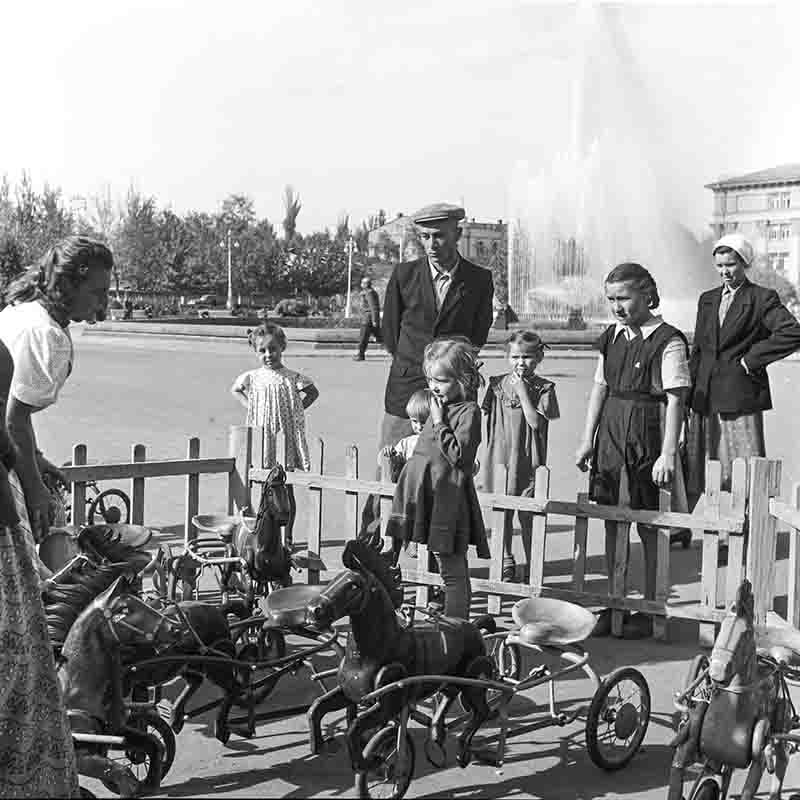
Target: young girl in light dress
{"points": [[435, 502], [518, 407], [276, 399]]}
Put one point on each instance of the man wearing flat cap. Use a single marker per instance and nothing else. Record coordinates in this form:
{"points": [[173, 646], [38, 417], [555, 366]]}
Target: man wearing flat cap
{"points": [[740, 329], [439, 295], [433, 297]]}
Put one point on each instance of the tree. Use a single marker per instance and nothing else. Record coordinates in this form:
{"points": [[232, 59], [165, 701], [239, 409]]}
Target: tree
{"points": [[764, 275], [292, 206], [137, 254]]}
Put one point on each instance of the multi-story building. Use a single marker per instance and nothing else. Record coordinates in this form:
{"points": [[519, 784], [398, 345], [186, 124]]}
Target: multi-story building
{"points": [[481, 242], [764, 206]]}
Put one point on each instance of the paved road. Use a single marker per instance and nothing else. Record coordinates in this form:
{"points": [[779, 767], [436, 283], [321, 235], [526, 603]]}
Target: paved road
{"points": [[162, 392]]}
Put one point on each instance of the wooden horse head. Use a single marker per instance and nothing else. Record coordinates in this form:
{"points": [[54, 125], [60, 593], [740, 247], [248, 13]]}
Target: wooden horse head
{"points": [[733, 658]]}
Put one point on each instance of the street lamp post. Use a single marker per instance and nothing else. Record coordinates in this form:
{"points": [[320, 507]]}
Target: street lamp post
{"points": [[350, 247], [227, 243]]}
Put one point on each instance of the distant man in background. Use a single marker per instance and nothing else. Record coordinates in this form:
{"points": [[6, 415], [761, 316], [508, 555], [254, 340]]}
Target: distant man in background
{"points": [[370, 318]]}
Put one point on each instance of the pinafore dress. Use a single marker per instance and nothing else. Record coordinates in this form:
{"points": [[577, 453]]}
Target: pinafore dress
{"points": [[629, 435]]}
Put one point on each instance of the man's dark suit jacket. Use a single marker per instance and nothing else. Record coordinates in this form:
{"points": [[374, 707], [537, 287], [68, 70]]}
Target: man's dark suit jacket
{"points": [[410, 321], [370, 308], [758, 329]]}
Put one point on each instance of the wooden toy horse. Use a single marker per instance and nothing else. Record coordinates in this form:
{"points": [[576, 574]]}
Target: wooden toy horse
{"points": [[381, 650], [728, 727], [119, 629], [268, 560]]}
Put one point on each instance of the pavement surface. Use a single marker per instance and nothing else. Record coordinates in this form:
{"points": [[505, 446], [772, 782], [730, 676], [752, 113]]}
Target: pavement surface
{"points": [[161, 392]]}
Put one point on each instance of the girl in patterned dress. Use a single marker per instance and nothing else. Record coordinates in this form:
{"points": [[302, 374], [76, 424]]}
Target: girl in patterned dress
{"points": [[276, 398], [518, 407]]}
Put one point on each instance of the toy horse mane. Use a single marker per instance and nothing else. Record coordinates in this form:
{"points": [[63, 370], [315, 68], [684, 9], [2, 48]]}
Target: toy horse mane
{"points": [[359, 556], [267, 510], [743, 606]]}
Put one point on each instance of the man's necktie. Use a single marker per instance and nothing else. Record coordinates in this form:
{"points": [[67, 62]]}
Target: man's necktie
{"points": [[725, 304], [442, 285]]}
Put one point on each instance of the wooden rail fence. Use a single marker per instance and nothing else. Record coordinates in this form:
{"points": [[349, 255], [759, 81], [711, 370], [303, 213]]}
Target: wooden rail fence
{"points": [[747, 518]]}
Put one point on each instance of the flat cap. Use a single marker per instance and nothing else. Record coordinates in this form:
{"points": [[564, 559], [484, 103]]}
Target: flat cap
{"points": [[438, 212]]}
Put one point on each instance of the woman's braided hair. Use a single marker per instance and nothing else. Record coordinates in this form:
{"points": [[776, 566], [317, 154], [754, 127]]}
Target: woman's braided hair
{"points": [[55, 279]]}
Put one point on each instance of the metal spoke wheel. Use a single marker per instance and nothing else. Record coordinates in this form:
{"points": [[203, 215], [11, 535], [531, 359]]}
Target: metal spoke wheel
{"points": [[697, 667], [507, 658], [618, 718], [388, 774], [707, 789], [111, 506], [152, 723]]}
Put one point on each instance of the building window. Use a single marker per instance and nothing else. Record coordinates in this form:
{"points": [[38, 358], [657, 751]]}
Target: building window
{"points": [[731, 206], [779, 200], [786, 231], [731, 227]]}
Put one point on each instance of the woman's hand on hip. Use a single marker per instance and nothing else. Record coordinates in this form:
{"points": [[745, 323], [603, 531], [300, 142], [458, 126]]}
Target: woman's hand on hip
{"points": [[663, 471], [583, 456]]}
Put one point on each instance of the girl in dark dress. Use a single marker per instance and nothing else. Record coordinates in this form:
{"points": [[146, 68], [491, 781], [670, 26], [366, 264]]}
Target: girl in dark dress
{"points": [[634, 416], [435, 502]]}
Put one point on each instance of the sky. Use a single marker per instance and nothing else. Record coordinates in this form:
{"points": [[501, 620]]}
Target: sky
{"points": [[365, 104]]}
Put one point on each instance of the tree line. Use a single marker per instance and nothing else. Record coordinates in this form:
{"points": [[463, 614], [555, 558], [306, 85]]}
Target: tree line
{"points": [[158, 250]]}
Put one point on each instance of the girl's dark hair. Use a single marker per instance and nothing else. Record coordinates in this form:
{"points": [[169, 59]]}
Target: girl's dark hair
{"points": [[528, 339], [266, 329], [639, 278], [55, 279]]}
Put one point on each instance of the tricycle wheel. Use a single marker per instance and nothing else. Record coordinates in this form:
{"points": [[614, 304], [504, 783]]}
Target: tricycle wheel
{"points": [[699, 665], [112, 506], [385, 775], [707, 789], [144, 767], [618, 717], [153, 724], [508, 660]]}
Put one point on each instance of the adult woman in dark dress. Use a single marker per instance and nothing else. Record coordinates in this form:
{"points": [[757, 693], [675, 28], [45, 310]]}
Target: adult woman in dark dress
{"points": [[740, 329]]}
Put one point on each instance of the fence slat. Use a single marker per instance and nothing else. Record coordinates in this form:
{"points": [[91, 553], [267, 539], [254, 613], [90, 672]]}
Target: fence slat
{"points": [[385, 504], [579, 549], [138, 454], [147, 469], [78, 488], [663, 552], [240, 449], [735, 572], [351, 498], [709, 568], [192, 492], [761, 537], [538, 542], [315, 515], [430, 578], [617, 579], [502, 526]]}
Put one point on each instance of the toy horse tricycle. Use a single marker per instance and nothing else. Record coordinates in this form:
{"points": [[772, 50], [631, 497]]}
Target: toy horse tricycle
{"points": [[736, 710], [391, 669]]}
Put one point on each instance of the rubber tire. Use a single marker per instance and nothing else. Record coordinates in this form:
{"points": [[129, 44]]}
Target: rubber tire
{"points": [[153, 719], [508, 660], [382, 742], [707, 789], [99, 500], [596, 707]]}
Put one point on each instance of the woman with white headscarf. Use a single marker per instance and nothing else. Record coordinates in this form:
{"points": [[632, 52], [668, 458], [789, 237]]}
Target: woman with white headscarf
{"points": [[740, 329]]}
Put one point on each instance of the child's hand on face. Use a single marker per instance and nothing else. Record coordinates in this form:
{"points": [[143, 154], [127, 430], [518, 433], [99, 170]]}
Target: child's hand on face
{"points": [[386, 451], [437, 409]]}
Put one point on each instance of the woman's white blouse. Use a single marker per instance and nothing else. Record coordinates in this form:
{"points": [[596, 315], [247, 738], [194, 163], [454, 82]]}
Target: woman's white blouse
{"points": [[42, 353]]}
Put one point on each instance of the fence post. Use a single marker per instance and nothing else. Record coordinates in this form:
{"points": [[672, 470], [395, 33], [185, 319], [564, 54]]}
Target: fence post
{"points": [[192, 492], [661, 623], [579, 549], [240, 448], [78, 489], [502, 526], [385, 504], [539, 532], [351, 498], [315, 516], [138, 454], [617, 580], [761, 536], [709, 569], [736, 540], [793, 593]]}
